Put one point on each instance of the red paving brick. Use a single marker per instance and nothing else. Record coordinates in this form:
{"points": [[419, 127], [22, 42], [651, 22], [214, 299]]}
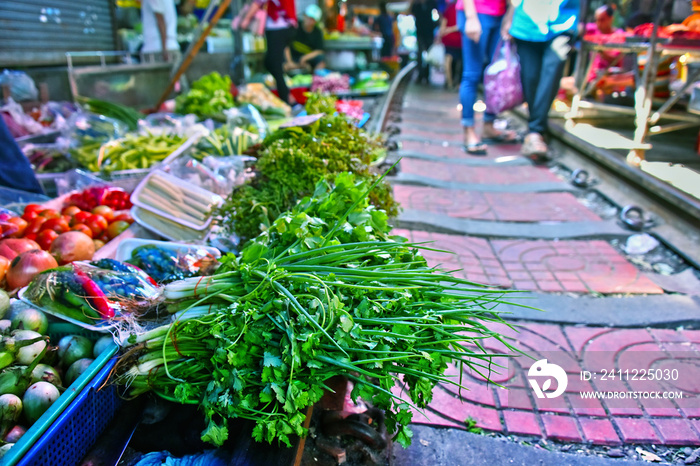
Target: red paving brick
{"points": [[456, 173], [508, 207], [599, 431], [431, 136], [521, 422], [561, 428], [676, 432], [635, 430]]}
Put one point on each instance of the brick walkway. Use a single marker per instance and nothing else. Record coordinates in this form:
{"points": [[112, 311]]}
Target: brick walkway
{"points": [[571, 417], [579, 267]]}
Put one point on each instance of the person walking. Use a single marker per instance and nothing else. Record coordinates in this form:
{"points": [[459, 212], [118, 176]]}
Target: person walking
{"points": [[159, 24], [451, 38], [385, 26], [480, 23], [422, 11], [280, 29], [543, 31]]}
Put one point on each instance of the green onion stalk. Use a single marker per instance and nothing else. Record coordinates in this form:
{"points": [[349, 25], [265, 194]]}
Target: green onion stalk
{"points": [[324, 291]]}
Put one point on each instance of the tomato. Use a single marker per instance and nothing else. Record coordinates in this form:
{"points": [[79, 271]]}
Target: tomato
{"points": [[104, 237], [105, 211], [98, 243], [21, 225], [116, 228], [82, 228], [59, 225], [27, 265], [97, 224], [49, 213], [45, 238], [34, 226], [71, 210], [80, 217], [124, 216], [31, 236], [31, 211]]}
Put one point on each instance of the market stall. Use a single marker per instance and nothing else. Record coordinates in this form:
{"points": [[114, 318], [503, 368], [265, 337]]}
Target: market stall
{"points": [[653, 44], [230, 261]]}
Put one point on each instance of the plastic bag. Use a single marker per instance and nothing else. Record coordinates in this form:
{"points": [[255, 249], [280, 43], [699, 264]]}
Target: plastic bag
{"points": [[19, 123], [247, 117], [503, 88], [436, 55], [213, 173], [165, 265], [93, 292], [22, 86]]}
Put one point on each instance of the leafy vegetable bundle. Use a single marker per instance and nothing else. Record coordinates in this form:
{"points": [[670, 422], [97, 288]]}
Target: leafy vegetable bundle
{"points": [[324, 291], [294, 159], [209, 96]]}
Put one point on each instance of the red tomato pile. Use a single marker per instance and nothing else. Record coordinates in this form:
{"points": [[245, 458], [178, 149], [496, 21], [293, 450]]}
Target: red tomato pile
{"points": [[115, 198], [101, 223]]}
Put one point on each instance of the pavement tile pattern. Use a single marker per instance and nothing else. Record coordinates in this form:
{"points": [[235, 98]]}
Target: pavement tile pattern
{"points": [[503, 206], [536, 265], [570, 417], [430, 128]]}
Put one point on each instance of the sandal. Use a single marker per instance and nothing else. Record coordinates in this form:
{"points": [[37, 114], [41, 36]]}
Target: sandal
{"points": [[475, 148], [504, 137]]}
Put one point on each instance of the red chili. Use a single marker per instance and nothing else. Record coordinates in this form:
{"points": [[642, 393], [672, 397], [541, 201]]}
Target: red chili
{"points": [[141, 272], [94, 294]]}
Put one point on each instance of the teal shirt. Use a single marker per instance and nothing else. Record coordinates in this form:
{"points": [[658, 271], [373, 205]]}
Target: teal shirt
{"points": [[542, 20]]}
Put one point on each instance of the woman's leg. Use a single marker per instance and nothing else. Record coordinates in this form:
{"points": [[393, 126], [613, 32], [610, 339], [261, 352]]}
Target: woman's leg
{"points": [[472, 63], [531, 73], [277, 40], [448, 71], [490, 36], [554, 55]]}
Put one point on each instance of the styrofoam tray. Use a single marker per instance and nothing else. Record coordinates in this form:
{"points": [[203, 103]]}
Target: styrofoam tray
{"points": [[127, 246], [166, 228], [215, 198]]}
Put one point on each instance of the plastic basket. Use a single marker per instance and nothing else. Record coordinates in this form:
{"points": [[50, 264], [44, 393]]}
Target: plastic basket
{"points": [[69, 428]]}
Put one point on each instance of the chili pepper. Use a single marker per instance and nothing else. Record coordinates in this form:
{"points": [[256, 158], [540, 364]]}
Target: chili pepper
{"points": [[94, 294]]}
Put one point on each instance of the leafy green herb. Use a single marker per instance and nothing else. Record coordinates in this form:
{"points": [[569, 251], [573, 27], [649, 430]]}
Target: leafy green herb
{"points": [[294, 159], [209, 96]]}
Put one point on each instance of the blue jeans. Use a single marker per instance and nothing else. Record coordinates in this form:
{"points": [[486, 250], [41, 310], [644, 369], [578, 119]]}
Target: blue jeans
{"points": [[541, 69], [475, 57]]}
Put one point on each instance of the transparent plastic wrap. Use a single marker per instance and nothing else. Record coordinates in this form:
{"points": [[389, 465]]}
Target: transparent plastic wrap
{"points": [[166, 265], [85, 125], [21, 85], [171, 123], [19, 123], [248, 118], [225, 141], [216, 174], [87, 293], [7, 227]]}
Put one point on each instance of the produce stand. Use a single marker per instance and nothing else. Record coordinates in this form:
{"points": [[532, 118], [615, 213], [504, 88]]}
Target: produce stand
{"points": [[340, 53], [647, 111]]}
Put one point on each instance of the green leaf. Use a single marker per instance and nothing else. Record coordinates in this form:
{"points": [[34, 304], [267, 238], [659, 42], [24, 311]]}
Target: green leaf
{"points": [[346, 322], [214, 433], [270, 360]]}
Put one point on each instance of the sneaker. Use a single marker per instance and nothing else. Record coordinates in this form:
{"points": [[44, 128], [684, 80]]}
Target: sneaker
{"points": [[534, 146]]}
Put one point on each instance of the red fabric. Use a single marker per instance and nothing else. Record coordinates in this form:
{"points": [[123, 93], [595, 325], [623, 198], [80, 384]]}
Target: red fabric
{"points": [[453, 39], [286, 8]]}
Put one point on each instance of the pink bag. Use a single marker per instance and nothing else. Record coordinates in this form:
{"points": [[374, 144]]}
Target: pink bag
{"points": [[503, 89], [256, 26]]}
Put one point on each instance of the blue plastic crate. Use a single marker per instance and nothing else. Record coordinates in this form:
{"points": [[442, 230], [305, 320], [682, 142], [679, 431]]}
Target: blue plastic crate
{"points": [[71, 426]]}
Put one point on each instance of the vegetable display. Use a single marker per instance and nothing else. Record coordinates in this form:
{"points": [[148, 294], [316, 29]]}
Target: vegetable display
{"points": [[165, 265], [324, 291], [292, 160], [135, 152], [265, 101], [126, 115], [209, 96]]}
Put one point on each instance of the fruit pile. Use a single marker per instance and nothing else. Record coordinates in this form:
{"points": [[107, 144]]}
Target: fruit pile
{"points": [[46, 238], [35, 370]]}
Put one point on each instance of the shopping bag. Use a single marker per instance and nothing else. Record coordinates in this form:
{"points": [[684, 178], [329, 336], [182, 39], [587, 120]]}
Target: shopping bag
{"points": [[436, 55], [256, 25], [503, 88]]}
